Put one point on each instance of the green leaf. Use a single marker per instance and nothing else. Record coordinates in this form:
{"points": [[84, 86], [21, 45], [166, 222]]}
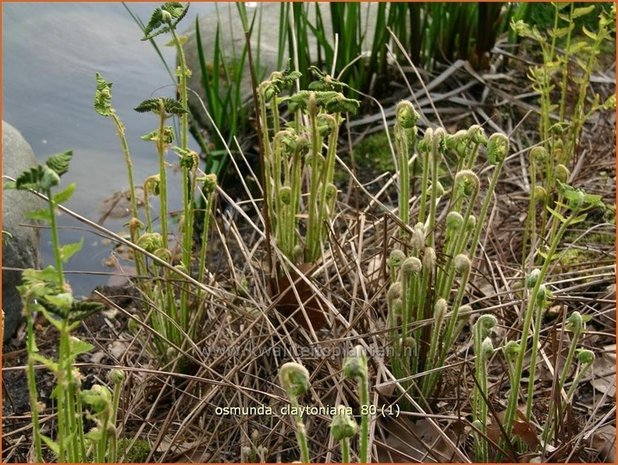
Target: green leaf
{"points": [[68, 250], [59, 162], [98, 398], [610, 103], [188, 158], [82, 309], [561, 32], [579, 46], [524, 30], [79, 347], [582, 11], [341, 104], [170, 106], [556, 214], [53, 318], [40, 215], [579, 219], [48, 363], [586, 318], [168, 135], [53, 445], [590, 34], [103, 97], [65, 194], [324, 81], [578, 198], [47, 275], [38, 178], [61, 303], [94, 434], [6, 237]]}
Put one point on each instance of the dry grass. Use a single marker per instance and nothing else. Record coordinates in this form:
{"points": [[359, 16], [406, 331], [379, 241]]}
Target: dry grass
{"points": [[247, 338]]}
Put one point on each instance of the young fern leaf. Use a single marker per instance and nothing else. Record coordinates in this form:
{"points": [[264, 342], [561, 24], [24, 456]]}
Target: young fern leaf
{"points": [[171, 106], [39, 178], [325, 81], [164, 19], [59, 162], [578, 198], [65, 194], [103, 97], [63, 307], [68, 250]]}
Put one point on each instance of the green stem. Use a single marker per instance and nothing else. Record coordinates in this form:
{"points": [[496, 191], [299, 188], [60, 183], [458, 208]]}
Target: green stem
{"points": [[364, 397], [345, 450], [533, 355], [313, 229], [480, 221], [301, 434], [113, 449], [401, 139], [34, 400], [530, 230], [55, 240], [187, 193], [519, 363], [435, 154], [162, 175], [206, 228], [128, 161], [425, 162]]}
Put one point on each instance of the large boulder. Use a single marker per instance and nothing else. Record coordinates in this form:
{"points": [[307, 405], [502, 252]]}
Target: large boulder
{"points": [[264, 43], [20, 249]]}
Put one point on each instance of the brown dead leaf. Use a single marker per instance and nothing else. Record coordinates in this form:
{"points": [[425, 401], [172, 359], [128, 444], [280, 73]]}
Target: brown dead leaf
{"points": [[386, 389], [414, 441], [288, 304], [521, 428], [604, 440], [604, 371]]}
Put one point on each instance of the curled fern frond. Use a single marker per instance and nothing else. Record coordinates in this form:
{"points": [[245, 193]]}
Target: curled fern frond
{"points": [[324, 81], [103, 97], [59, 162], [170, 106], [164, 19]]}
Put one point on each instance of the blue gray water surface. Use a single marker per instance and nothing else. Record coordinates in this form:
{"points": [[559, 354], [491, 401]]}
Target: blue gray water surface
{"points": [[50, 53]]}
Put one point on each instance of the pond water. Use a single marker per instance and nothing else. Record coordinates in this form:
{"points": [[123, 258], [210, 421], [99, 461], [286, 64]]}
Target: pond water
{"points": [[50, 54]]}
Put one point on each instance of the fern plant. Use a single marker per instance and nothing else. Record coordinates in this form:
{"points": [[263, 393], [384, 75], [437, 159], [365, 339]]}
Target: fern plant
{"points": [[46, 292]]}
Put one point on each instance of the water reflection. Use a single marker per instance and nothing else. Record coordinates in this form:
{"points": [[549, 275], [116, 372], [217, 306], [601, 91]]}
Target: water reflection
{"points": [[50, 54]]}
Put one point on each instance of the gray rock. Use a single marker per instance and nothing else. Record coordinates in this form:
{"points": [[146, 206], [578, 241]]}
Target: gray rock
{"points": [[21, 249], [264, 43]]}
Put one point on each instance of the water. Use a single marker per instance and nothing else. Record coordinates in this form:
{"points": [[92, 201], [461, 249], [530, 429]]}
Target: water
{"points": [[50, 54]]}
